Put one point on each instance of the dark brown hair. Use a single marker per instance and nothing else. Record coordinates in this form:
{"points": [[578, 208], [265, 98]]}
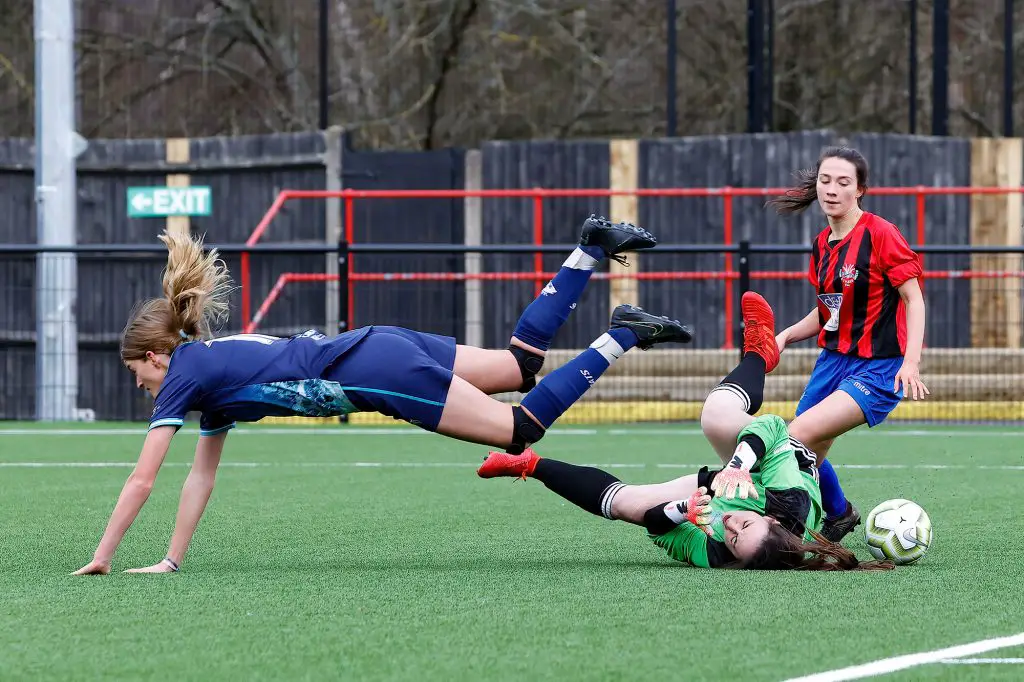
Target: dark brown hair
{"points": [[782, 550], [805, 191]]}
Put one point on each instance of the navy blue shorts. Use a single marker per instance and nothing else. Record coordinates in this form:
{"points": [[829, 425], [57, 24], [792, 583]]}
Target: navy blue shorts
{"points": [[400, 373], [869, 382]]}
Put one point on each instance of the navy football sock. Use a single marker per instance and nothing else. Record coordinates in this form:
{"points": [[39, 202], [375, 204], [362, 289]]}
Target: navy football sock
{"points": [[549, 311], [557, 391]]}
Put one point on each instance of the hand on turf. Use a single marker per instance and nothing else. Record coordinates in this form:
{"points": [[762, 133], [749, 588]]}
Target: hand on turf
{"points": [[161, 567], [732, 482], [910, 377], [94, 568]]}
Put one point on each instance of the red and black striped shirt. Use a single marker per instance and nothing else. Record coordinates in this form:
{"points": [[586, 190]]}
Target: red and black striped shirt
{"points": [[859, 308]]}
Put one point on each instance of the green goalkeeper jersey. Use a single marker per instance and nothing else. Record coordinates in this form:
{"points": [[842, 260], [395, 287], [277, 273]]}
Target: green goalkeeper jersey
{"points": [[787, 470]]}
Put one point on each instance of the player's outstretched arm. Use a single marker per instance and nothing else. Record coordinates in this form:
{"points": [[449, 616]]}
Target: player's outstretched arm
{"points": [[134, 494], [194, 496], [909, 375], [804, 329]]}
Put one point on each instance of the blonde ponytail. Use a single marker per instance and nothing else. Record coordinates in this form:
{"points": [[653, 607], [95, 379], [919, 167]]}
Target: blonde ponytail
{"points": [[196, 287]]}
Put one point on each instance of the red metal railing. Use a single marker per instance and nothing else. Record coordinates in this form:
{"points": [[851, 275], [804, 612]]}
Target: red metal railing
{"points": [[539, 277], [538, 196]]}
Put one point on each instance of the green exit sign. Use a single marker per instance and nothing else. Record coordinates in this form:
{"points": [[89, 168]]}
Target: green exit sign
{"points": [[160, 202]]}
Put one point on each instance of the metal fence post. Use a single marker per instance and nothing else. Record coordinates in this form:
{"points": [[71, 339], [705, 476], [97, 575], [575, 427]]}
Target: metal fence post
{"points": [[344, 313], [343, 286], [744, 278]]}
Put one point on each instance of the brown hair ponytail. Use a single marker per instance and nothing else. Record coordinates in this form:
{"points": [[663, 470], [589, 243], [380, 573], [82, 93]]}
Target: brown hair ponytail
{"points": [[782, 550], [804, 191], [196, 286]]}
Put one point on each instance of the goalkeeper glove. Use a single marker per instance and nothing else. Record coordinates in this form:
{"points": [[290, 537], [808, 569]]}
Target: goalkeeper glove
{"points": [[734, 480]]}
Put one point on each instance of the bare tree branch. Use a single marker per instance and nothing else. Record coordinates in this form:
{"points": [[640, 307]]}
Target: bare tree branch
{"points": [[456, 72], [449, 56]]}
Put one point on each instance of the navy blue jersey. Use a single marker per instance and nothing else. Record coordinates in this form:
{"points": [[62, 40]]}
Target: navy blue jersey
{"points": [[251, 376]]}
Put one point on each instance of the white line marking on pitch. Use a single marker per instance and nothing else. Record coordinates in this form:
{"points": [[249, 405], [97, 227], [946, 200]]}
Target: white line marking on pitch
{"points": [[889, 665], [429, 465], [372, 431], [971, 433], [982, 661], [254, 465], [287, 431]]}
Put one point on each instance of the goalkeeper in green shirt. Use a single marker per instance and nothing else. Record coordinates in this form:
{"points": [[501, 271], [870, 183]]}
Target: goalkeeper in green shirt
{"points": [[762, 510]]}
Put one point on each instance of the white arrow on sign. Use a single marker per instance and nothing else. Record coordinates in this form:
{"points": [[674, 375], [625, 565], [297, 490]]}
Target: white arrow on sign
{"points": [[141, 201]]}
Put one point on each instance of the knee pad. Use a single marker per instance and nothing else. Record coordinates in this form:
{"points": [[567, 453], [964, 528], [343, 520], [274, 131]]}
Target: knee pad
{"points": [[529, 364], [525, 431]]}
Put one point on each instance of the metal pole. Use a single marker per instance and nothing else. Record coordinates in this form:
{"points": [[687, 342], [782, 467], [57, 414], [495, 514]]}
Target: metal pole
{"points": [[1008, 68], [671, 53], [940, 69], [744, 268], [344, 310], [912, 85], [57, 146], [473, 235], [322, 54], [755, 60]]}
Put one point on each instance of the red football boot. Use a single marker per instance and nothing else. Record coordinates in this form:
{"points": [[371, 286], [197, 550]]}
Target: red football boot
{"points": [[503, 464], [759, 329]]}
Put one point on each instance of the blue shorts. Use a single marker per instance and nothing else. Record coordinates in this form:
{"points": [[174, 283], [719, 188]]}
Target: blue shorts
{"points": [[869, 382], [400, 373]]}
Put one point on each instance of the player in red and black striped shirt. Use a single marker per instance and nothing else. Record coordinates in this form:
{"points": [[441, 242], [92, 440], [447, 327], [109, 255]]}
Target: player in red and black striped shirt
{"points": [[869, 319]]}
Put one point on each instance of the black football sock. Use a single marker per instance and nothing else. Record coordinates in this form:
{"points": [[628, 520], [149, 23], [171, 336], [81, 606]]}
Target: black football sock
{"points": [[747, 381], [589, 488]]}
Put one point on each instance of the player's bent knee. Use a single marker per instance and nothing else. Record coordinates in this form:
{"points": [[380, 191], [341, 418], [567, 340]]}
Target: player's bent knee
{"points": [[525, 431], [711, 410], [718, 420], [529, 364]]}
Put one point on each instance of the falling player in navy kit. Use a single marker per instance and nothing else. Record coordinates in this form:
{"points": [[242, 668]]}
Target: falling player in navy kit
{"points": [[424, 379]]}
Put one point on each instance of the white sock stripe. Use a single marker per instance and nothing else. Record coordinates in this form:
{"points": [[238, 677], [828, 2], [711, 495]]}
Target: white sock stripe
{"points": [[737, 391], [580, 260], [608, 496], [604, 499], [608, 347]]}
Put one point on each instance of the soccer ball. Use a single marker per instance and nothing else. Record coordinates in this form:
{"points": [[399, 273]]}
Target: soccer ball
{"points": [[898, 530]]}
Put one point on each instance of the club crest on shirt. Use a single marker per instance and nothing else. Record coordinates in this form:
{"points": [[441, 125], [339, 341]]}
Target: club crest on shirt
{"points": [[834, 302], [848, 275]]}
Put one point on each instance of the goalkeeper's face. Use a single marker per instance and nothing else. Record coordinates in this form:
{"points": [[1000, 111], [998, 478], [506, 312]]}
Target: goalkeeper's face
{"points": [[745, 532]]}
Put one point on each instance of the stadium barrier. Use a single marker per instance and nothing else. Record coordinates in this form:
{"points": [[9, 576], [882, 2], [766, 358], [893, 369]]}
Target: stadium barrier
{"points": [[996, 220], [981, 382], [967, 383], [977, 377]]}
